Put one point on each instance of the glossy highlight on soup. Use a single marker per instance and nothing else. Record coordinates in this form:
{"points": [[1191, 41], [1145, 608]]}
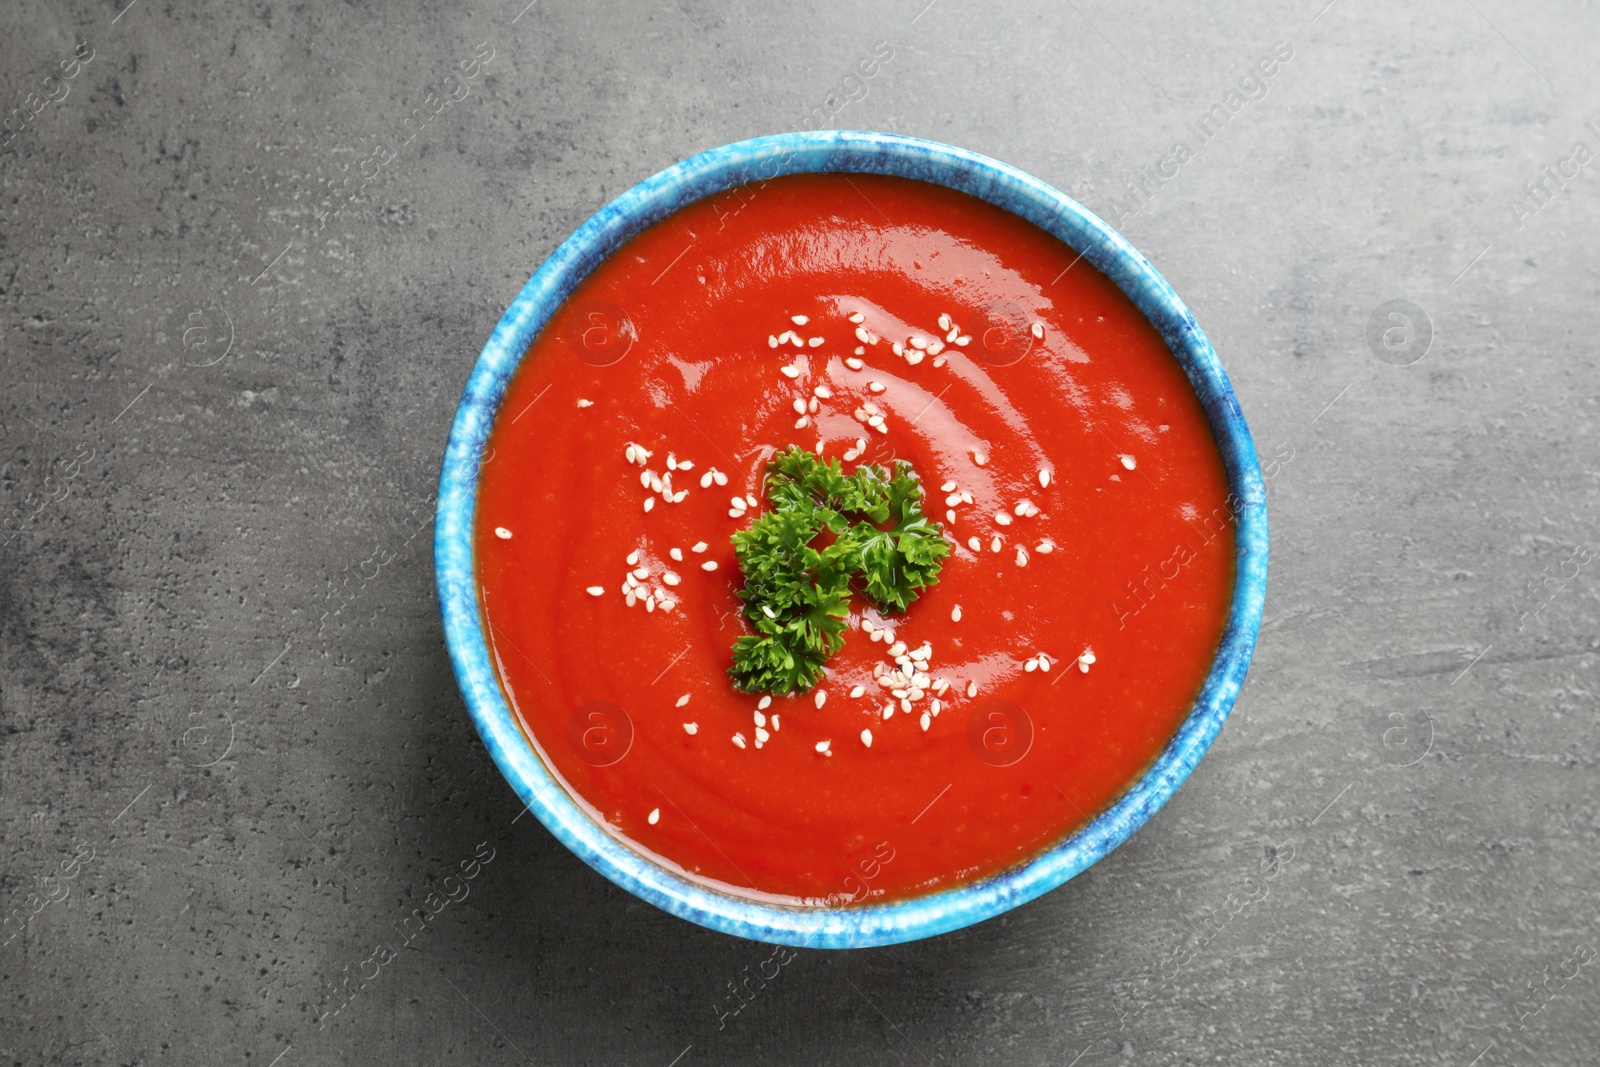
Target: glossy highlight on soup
{"points": [[871, 320]]}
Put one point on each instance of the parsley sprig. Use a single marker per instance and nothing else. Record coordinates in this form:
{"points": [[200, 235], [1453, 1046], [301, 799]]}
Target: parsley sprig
{"points": [[796, 594]]}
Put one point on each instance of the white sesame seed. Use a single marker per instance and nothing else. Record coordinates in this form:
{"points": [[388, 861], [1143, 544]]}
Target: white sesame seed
{"points": [[737, 502], [876, 387], [972, 688], [994, 545], [800, 406], [709, 565], [950, 517], [677, 554], [691, 728], [955, 331], [939, 361], [964, 340], [888, 711], [789, 372], [649, 503], [966, 497], [927, 720], [768, 612], [775, 723], [821, 698], [866, 738], [655, 816], [683, 700], [762, 736], [631, 452], [975, 544], [955, 613], [934, 348], [698, 546], [642, 572], [502, 533], [822, 746], [1044, 478], [738, 739], [721, 479], [815, 342], [944, 320], [1044, 662], [735, 514], [813, 406], [935, 706], [1002, 518], [822, 391], [799, 320], [853, 363], [765, 703], [979, 459], [802, 422], [705, 480], [1128, 461], [772, 341], [649, 603], [632, 598], [748, 499], [672, 462], [1031, 666], [685, 465], [597, 590], [862, 335], [585, 403], [760, 719], [918, 343], [1022, 556], [1021, 508], [860, 352], [855, 693], [1037, 329], [914, 356], [670, 578]]}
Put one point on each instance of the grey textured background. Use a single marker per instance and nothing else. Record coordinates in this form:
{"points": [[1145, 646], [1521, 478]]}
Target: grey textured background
{"points": [[228, 376]]}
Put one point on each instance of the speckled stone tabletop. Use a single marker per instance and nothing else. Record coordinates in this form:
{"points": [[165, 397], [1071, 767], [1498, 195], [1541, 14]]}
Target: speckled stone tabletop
{"points": [[248, 254]]}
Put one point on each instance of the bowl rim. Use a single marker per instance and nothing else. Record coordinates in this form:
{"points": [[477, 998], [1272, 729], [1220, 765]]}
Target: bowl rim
{"points": [[838, 151]]}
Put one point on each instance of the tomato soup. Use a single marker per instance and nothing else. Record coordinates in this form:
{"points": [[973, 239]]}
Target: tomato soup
{"points": [[872, 320]]}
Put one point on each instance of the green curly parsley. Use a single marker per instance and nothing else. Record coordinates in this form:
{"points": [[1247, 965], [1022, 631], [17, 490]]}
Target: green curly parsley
{"points": [[797, 595]]}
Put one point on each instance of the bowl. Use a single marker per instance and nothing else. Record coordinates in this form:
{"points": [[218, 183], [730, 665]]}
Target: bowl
{"points": [[839, 151]]}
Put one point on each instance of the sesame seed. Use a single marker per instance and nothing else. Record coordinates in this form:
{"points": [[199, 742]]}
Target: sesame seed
{"points": [[939, 361], [796, 340], [597, 590], [735, 514], [823, 391], [1002, 518], [1037, 329], [821, 698], [698, 546], [966, 497], [813, 406], [927, 720], [994, 545], [822, 747], [950, 517], [683, 700], [1044, 478], [964, 340], [775, 723], [672, 462], [888, 711], [766, 702], [979, 459], [655, 816], [955, 331], [919, 343], [855, 694], [955, 613], [632, 598], [944, 321], [677, 554], [802, 422], [748, 499], [1031, 666], [800, 407], [768, 612], [738, 739], [815, 342], [772, 341], [972, 688], [677, 498], [915, 356], [862, 335], [685, 465], [1128, 462], [737, 502], [705, 480], [876, 387], [1022, 556], [853, 363], [642, 572], [709, 565], [762, 736], [631, 452], [649, 503], [860, 352], [502, 533], [585, 403], [868, 625], [866, 738], [934, 348], [975, 544], [760, 719], [691, 728], [935, 706], [1044, 662], [799, 320], [670, 578], [789, 372], [720, 478]]}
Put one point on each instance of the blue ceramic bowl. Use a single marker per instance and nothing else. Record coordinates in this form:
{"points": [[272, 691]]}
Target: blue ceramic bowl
{"points": [[848, 152]]}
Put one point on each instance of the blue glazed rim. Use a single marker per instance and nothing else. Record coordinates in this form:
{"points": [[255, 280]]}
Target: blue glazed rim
{"points": [[838, 151]]}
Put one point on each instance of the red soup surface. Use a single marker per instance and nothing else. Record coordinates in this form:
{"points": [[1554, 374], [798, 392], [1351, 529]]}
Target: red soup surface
{"points": [[1059, 445]]}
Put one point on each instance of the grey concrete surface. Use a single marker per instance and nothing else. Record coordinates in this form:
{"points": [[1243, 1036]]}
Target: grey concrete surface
{"points": [[232, 756]]}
